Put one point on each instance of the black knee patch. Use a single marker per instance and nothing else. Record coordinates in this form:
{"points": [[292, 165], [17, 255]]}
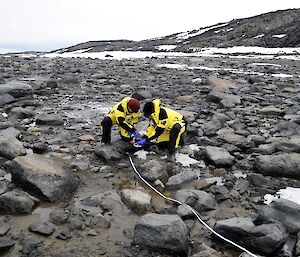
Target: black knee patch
{"points": [[106, 122]]}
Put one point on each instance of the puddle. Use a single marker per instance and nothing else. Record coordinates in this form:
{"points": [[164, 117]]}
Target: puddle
{"points": [[87, 113], [43, 211], [126, 184]]}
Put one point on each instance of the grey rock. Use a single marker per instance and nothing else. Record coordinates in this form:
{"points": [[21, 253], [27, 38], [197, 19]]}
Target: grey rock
{"points": [[6, 243], [142, 95], [180, 179], [266, 238], [16, 89], [5, 225], [153, 170], [47, 177], [297, 250], [165, 233], [59, 216], [199, 200], [136, 200], [6, 99], [219, 156], [45, 229], [235, 228], [11, 147], [283, 211], [108, 152], [17, 202], [49, 119], [286, 165], [10, 132]]}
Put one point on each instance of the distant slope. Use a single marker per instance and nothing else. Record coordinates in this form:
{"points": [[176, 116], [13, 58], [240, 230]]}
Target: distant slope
{"points": [[273, 29]]}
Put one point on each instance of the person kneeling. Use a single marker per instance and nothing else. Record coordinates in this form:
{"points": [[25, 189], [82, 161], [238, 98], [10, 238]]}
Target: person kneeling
{"points": [[166, 126], [125, 114]]}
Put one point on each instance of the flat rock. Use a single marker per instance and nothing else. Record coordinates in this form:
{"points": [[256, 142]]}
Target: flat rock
{"points": [[47, 177]]}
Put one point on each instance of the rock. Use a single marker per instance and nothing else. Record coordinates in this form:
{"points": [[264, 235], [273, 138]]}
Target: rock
{"points": [[47, 177], [4, 225], [5, 243], [235, 139], [6, 99], [164, 233], [271, 111], [285, 165], [10, 132], [258, 180], [297, 250], [153, 170], [10, 147], [59, 216], [108, 152], [266, 238], [142, 95], [45, 229], [235, 228], [220, 84], [33, 247], [219, 156], [185, 212], [22, 113], [283, 211], [199, 200], [136, 200], [17, 202], [178, 180], [99, 221], [185, 99], [49, 119], [87, 138], [16, 89]]}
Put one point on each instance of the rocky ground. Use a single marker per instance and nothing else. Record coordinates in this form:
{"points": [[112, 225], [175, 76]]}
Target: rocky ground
{"points": [[62, 193]]}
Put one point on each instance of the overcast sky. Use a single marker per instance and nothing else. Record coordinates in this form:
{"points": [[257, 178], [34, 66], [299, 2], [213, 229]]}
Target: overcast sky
{"points": [[53, 24]]}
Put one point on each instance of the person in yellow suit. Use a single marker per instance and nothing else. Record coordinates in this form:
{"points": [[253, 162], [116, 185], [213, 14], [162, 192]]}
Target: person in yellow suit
{"points": [[125, 114], [166, 126]]}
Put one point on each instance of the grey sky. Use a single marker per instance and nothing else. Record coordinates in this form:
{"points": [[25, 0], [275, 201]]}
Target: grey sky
{"points": [[52, 24]]}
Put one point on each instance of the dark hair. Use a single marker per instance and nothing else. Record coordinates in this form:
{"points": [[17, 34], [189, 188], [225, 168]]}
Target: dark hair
{"points": [[148, 109]]}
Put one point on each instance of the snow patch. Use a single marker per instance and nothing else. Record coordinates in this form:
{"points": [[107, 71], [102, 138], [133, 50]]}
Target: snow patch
{"points": [[279, 36], [184, 159], [290, 193]]}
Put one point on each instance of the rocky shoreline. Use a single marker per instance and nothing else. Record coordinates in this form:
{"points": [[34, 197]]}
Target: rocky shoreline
{"points": [[62, 193]]}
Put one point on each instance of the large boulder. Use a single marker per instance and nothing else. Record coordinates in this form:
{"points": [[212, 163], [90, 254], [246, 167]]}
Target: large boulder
{"points": [[283, 211], [10, 147], [235, 228], [266, 238], [164, 233], [16, 89], [17, 202], [136, 200], [46, 177], [285, 165]]}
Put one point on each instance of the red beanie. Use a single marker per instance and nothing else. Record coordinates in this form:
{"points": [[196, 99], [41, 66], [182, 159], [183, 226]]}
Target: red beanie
{"points": [[134, 104]]}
